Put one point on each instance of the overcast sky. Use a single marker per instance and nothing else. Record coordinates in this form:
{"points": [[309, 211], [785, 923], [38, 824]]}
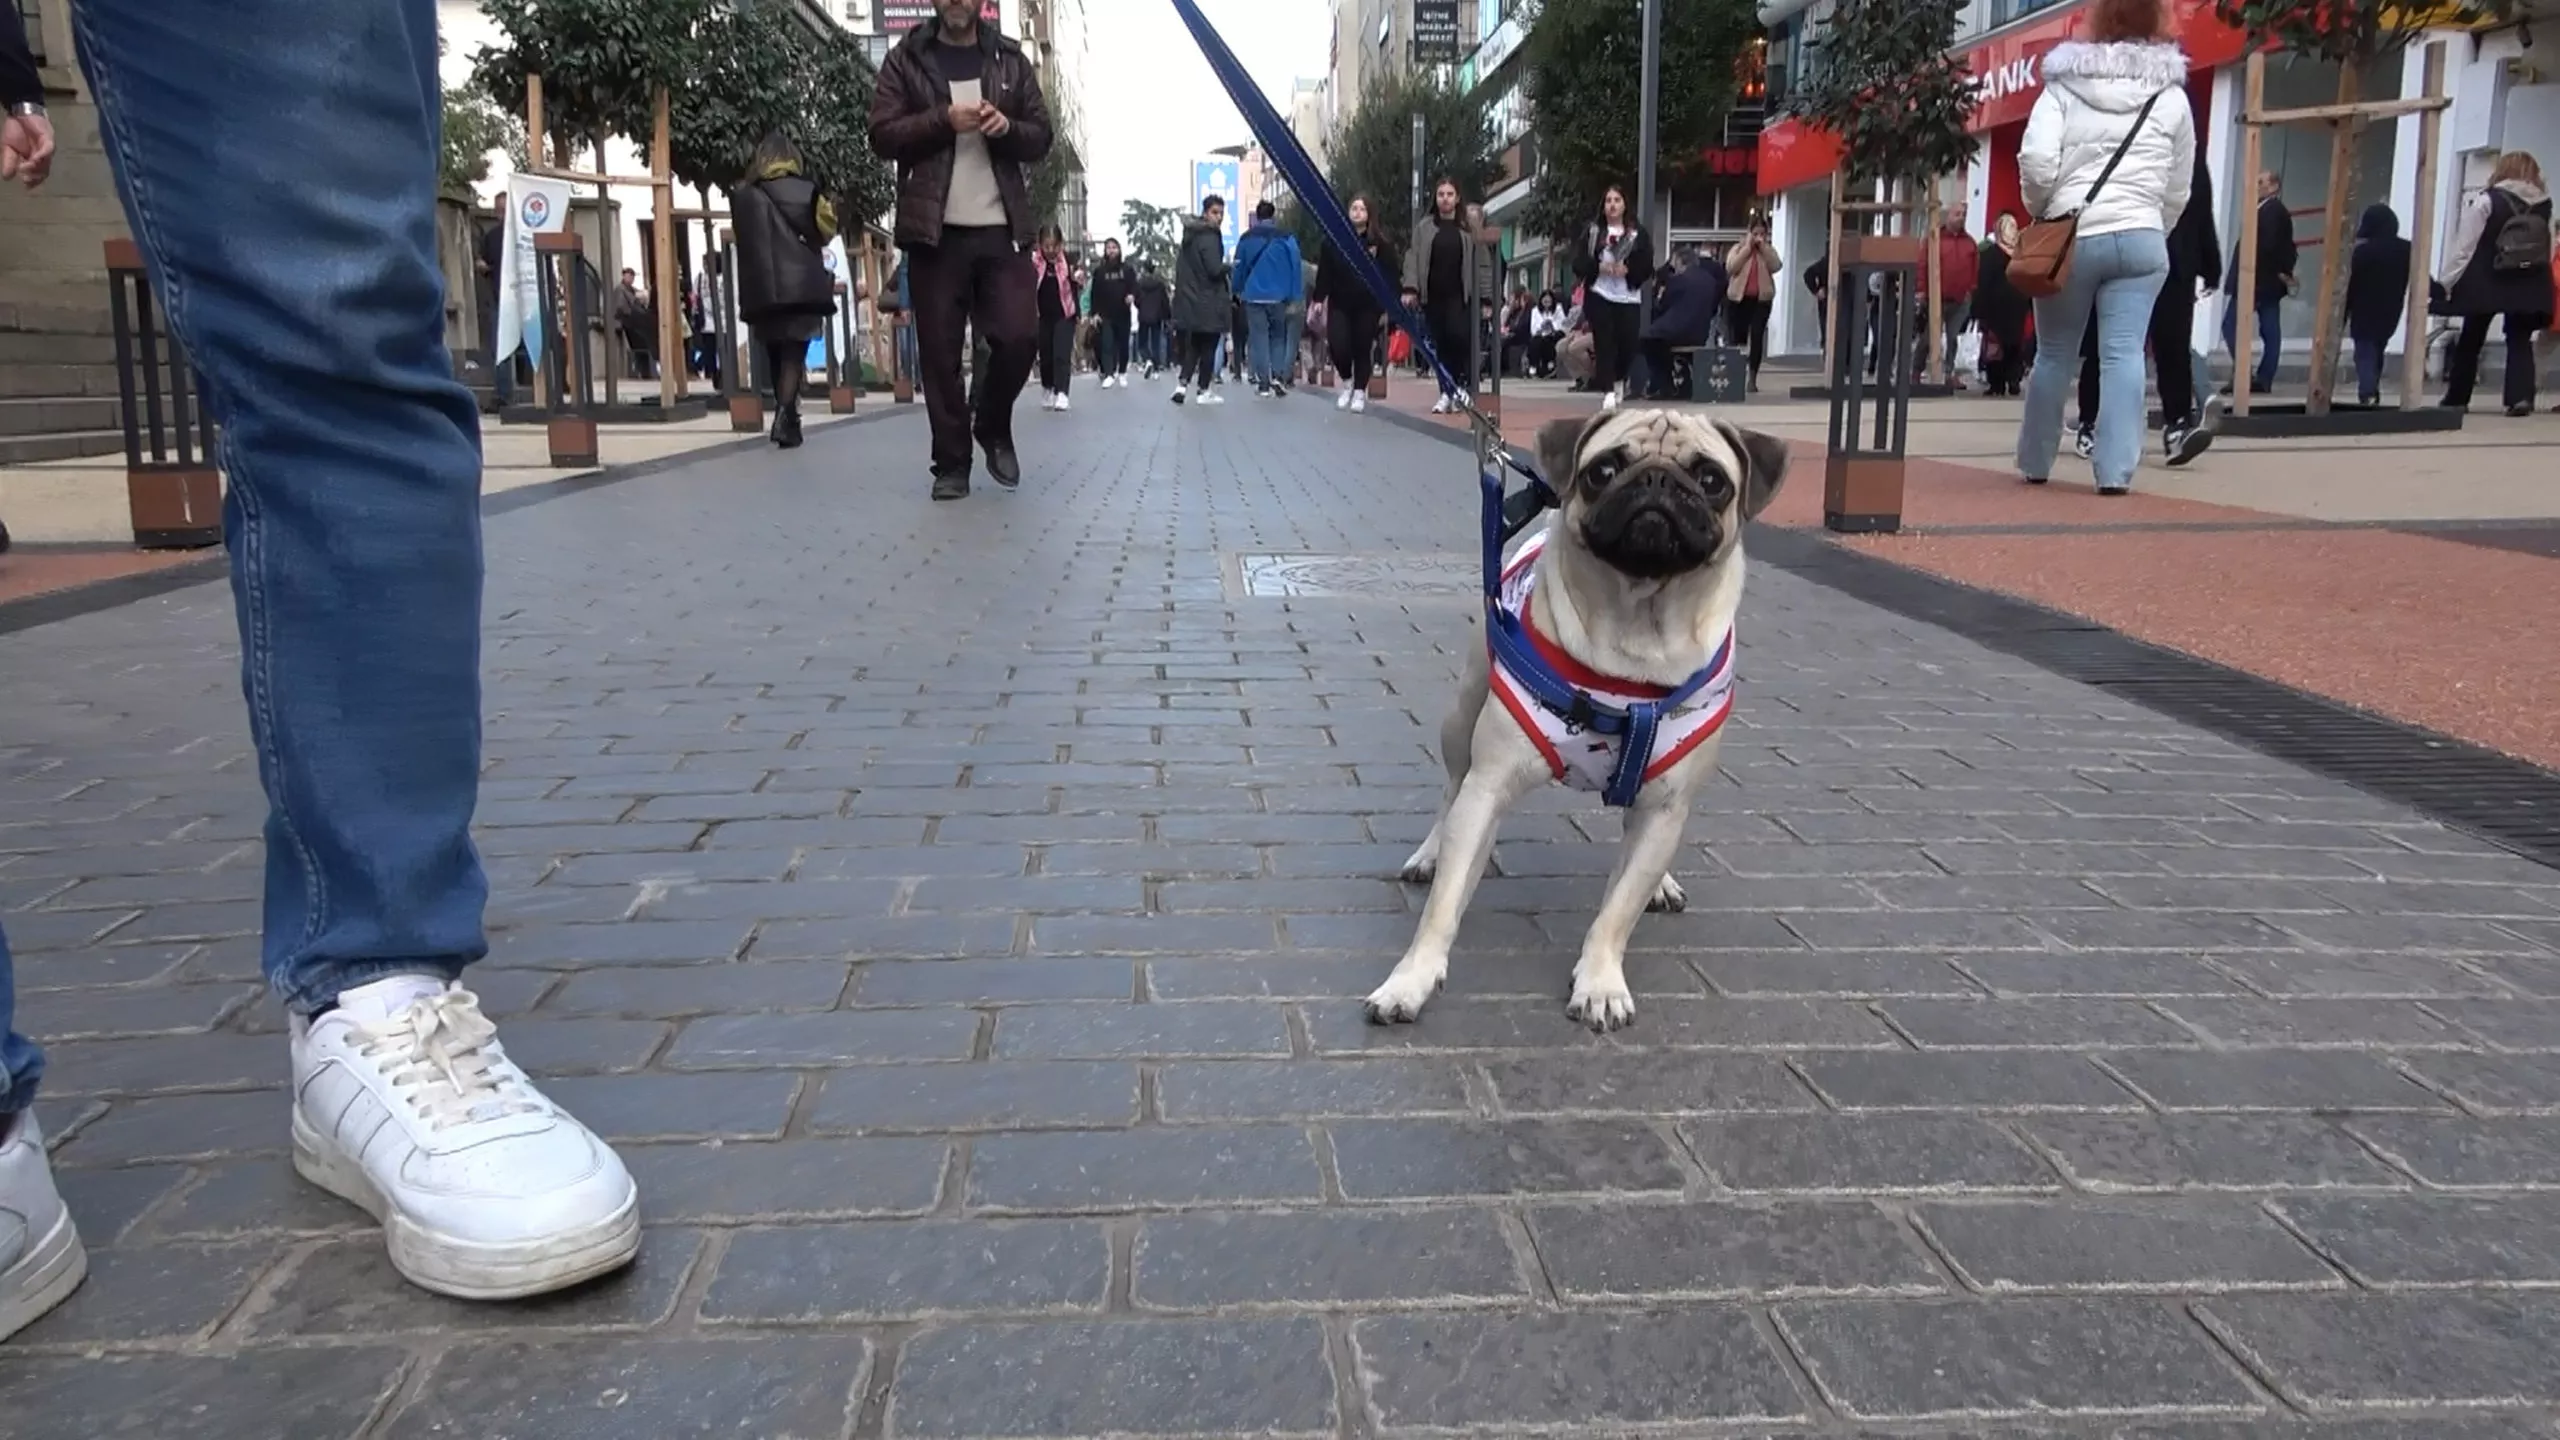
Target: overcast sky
{"points": [[1150, 103]]}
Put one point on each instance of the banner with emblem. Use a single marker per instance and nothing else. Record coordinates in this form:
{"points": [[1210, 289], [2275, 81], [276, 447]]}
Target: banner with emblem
{"points": [[535, 206]]}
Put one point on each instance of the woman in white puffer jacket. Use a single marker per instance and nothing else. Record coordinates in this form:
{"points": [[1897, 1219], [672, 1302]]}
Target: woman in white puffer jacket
{"points": [[2095, 94]]}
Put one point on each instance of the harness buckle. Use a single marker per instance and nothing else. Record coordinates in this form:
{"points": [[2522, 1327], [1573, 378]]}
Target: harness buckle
{"points": [[1580, 715]]}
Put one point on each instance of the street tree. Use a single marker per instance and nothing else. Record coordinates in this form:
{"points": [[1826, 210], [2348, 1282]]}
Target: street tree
{"points": [[601, 61], [1582, 59], [833, 128], [1885, 80], [1372, 154], [1150, 233]]}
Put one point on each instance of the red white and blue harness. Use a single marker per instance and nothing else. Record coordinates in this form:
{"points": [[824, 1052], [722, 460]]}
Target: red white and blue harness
{"points": [[1660, 725]]}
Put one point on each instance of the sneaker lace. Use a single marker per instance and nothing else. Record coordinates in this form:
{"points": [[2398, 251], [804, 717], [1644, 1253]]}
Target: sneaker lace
{"points": [[442, 1055]]}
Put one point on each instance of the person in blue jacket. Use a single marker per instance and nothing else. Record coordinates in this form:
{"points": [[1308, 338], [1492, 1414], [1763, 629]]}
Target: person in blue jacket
{"points": [[1271, 280]]}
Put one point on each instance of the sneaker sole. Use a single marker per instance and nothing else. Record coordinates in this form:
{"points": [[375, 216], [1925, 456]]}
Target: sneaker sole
{"points": [[43, 1277], [470, 1269]]}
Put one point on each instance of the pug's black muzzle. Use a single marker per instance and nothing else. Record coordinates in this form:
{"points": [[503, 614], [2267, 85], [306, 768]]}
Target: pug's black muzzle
{"points": [[1653, 521]]}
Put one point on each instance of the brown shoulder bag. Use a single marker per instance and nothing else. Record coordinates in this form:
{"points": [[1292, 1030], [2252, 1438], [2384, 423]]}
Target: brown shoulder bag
{"points": [[2041, 265]]}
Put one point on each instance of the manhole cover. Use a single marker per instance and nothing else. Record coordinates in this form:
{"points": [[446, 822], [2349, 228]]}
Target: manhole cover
{"points": [[1394, 576]]}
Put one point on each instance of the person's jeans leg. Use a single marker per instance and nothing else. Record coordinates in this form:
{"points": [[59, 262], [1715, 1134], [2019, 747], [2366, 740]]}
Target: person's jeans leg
{"points": [[316, 315], [2270, 341], [2462, 365], [2368, 369], [938, 284], [2087, 417], [1004, 308], [2173, 330], [21, 1063], [2132, 265], [2061, 320], [2520, 386]]}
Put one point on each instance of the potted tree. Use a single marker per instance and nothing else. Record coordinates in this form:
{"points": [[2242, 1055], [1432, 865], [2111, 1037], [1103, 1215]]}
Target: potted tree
{"points": [[1886, 85]]}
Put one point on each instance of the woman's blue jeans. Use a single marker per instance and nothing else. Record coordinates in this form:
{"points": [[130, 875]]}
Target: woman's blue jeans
{"points": [[277, 163], [2114, 280]]}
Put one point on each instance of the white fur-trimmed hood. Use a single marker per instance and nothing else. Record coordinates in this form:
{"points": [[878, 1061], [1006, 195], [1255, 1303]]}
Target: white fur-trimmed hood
{"points": [[2116, 75]]}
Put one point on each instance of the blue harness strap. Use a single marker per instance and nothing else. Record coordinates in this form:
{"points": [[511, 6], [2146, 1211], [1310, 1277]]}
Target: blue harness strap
{"points": [[1505, 514]]}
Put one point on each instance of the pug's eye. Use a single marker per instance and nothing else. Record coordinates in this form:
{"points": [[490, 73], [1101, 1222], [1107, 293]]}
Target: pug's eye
{"points": [[1716, 483], [1603, 473]]}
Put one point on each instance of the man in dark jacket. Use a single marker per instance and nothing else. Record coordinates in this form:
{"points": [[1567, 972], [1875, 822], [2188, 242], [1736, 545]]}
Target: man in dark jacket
{"points": [[2377, 295], [1114, 287], [958, 109], [2277, 256], [1202, 303], [493, 266], [1155, 315], [1683, 314]]}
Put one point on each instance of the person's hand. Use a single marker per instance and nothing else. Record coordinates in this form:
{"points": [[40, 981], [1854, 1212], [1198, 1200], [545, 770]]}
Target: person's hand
{"points": [[966, 119], [992, 122], [26, 149]]}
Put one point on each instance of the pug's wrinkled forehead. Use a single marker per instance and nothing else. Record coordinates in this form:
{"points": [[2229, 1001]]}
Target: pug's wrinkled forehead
{"points": [[1584, 456]]}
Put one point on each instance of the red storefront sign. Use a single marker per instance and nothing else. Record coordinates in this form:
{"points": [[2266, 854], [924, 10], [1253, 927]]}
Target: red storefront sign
{"points": [[2010, 65]]}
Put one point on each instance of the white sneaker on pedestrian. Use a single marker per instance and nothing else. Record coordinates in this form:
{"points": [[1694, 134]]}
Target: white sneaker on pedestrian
{"points": [[1610, 401], [1343, 400], [405, 1105], [1359, 402], [41, 1260], [1440, 406], [1062, 402], [1210, 396]]}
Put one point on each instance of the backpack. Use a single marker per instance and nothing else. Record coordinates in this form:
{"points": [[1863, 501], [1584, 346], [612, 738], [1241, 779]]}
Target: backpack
{"points": [[2523, 244]]}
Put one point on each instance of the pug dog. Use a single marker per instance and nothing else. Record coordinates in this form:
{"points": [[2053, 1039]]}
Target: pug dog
{"points": [[1628, 592]]}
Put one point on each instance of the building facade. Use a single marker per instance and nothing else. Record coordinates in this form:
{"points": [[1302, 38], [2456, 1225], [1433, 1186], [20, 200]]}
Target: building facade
{"points": [[2503, 83]]}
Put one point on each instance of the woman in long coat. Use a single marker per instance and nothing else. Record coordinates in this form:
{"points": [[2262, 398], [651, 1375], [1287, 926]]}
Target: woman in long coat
{"points": [[782, 226]]}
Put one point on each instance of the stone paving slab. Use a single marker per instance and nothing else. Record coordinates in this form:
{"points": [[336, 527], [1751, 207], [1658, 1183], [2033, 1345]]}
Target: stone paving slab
{"points": [[959, 915]]}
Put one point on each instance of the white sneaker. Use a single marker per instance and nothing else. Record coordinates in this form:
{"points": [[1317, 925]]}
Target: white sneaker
{"points": [[1210, 397], [1062, 402], [1609, 401], [405, 1104], [1359, 402], [41, 1261], [1440, 406], [1343, 400]]}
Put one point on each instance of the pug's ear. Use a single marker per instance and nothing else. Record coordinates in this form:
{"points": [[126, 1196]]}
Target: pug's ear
{"points": [[1764, 465], [1559, 445]]}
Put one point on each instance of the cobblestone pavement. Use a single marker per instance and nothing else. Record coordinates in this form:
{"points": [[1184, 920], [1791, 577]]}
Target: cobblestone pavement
{"points": [[958, 912]]}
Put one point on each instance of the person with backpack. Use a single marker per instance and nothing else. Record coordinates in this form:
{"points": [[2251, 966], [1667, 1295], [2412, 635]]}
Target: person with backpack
{"points": [[1270, 278], [2377, 293], [2499, 267]]}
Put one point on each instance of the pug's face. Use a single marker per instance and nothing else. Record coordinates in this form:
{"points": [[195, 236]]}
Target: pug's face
{"points": [[1655, 494]]}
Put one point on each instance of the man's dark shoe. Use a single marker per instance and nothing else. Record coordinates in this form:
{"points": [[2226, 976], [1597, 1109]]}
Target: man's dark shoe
{"points": [[952, 485], [1002, 464]]}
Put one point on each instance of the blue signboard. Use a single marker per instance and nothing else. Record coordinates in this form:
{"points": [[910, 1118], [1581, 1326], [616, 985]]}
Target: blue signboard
{"points": [[1218, 176]]}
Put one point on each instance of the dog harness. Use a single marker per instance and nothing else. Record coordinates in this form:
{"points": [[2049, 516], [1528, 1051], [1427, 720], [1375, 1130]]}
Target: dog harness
{"points": [[1661, 723]]}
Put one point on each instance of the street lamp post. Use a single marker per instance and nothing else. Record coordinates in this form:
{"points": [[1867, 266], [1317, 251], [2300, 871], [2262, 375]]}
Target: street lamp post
{"points": [[1648, 111]]}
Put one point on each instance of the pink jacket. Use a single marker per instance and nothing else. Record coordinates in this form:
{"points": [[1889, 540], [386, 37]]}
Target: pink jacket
{"points": [[1060, 275]]}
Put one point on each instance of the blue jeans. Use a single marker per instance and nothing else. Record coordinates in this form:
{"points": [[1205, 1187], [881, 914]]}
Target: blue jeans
{"points": [[2369, 354], [2114, 279], [1268, 352], [353, 515], [2270, 310]]}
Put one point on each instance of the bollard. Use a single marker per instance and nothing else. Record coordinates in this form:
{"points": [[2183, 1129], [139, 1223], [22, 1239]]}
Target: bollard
{"points": [[840, 392], [571, 425], [737, 376], [1862, 478], [172, 486]]}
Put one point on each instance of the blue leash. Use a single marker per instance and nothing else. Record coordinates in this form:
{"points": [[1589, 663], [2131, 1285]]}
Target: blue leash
{"points": [[1506, 514]]}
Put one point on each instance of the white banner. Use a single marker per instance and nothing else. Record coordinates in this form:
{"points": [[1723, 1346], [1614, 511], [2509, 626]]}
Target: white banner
{"points": [[535, 206]]}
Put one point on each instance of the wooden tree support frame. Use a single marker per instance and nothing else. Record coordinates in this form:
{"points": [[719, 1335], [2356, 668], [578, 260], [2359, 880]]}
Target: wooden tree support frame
{"points": [[2345, 120], [666, 286], [1929, 215]]}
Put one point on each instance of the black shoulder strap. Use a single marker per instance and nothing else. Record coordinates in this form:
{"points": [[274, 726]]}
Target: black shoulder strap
{"points": [[2139, 120]]}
